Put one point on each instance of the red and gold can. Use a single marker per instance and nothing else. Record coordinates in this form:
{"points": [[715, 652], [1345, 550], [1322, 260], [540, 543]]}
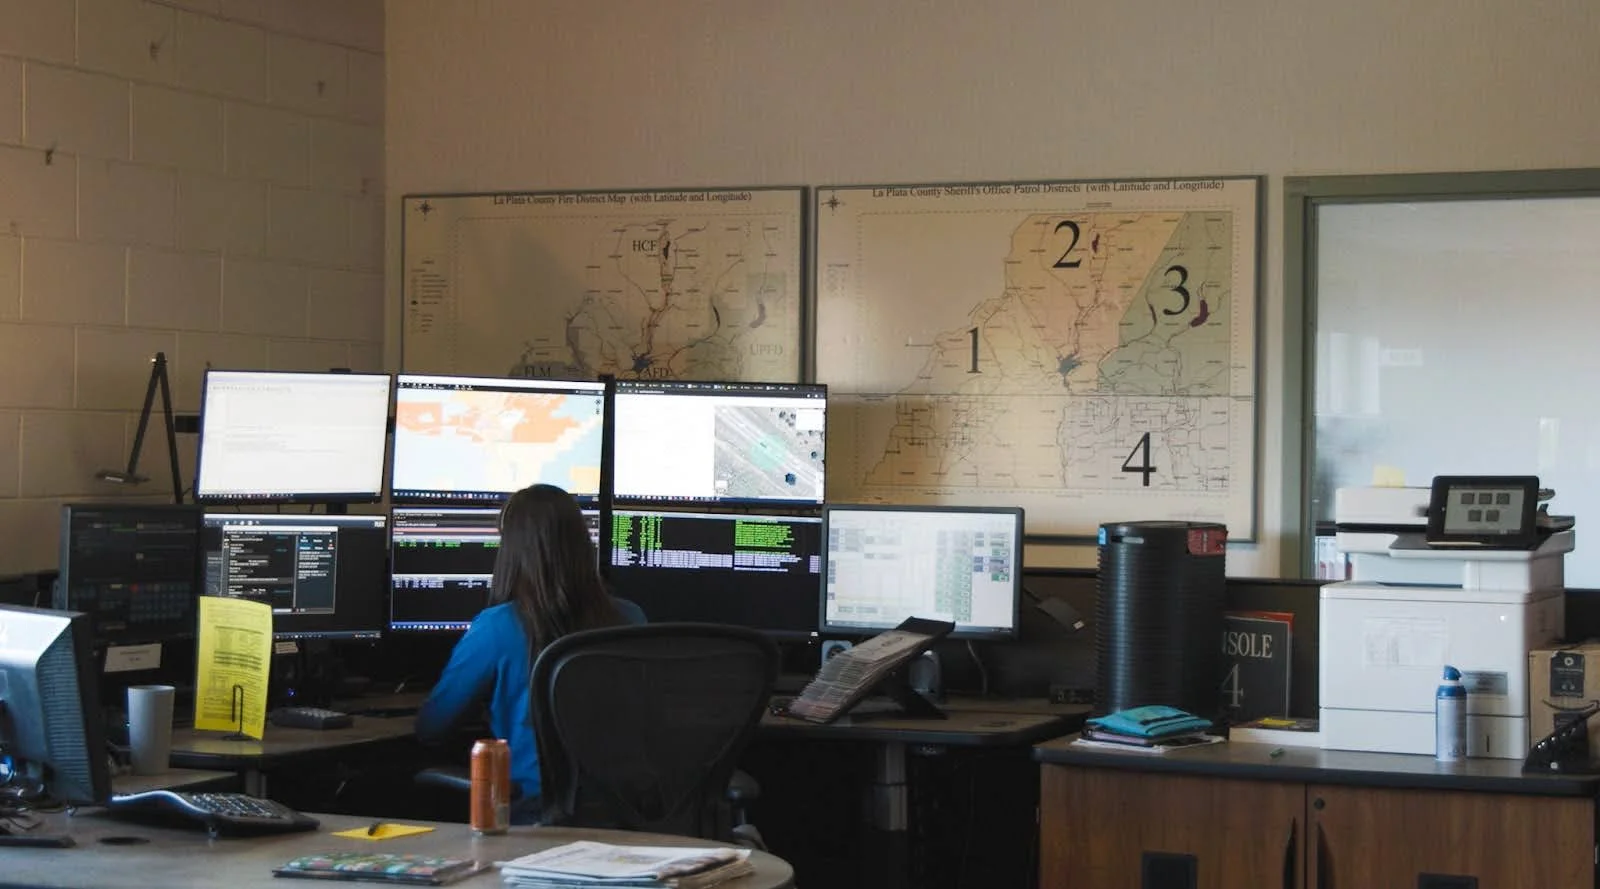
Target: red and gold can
{"points": [[491, 786]]}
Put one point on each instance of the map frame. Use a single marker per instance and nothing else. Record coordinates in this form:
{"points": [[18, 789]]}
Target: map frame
{"points": [[841, 252], [424, 286]]}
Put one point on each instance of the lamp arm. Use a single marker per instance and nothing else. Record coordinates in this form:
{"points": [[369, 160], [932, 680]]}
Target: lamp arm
{"points": [[158, 382]]}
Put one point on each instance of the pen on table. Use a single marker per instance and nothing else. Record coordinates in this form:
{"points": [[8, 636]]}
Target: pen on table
{"points": [[373, 830]]}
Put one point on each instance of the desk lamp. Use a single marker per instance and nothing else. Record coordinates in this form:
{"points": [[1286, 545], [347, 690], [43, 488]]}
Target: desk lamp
{"points": [[131, 476]]}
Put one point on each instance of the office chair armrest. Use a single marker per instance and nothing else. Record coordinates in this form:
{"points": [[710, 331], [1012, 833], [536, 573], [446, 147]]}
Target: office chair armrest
{"points": [[743, 789], [455, 778]]}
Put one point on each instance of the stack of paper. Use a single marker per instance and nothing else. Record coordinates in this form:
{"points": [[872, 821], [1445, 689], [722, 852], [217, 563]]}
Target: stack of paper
{"points": [[845, 676], [597, 865]]}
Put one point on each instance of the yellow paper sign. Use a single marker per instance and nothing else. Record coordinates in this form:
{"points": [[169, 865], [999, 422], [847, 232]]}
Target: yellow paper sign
{"points": [[382, 831], [235, 660]]}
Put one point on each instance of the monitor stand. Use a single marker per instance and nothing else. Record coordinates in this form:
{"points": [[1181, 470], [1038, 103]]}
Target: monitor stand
{"points": [[15, 836]]}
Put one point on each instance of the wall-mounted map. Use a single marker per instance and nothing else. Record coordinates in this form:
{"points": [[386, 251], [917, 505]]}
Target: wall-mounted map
{"points": [[1085, 350], [699, 285]]}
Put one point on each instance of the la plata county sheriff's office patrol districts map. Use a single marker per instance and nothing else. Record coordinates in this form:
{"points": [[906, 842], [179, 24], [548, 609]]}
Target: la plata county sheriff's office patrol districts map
{"points": [[1085, 350], [698, 285]]}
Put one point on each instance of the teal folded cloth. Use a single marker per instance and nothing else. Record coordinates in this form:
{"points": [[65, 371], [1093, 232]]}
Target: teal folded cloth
{"points": [[1153, 721]]}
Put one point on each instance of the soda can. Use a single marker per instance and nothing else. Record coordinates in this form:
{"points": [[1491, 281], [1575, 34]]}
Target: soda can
{"points": [[491, 786]]}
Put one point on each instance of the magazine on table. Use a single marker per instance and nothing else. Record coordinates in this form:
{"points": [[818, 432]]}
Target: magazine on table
{"points": [[586, 863]]}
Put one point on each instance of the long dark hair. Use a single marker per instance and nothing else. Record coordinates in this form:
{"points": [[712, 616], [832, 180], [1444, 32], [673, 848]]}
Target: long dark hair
{"points": [[546, 567]]}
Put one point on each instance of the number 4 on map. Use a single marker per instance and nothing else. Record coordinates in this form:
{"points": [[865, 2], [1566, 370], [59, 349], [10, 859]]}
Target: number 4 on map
{"points": [[1142, 451]]}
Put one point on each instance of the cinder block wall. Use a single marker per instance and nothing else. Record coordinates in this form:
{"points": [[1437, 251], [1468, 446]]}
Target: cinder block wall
{"points": [[198, 177]]}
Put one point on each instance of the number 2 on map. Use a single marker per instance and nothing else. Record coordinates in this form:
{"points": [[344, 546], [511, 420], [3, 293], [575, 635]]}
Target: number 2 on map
{"points": [[1142, 451], [1063, 262]]}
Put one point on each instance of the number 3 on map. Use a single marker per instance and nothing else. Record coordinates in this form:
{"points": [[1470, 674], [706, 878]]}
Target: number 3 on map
{"points": [[1143, 467]]}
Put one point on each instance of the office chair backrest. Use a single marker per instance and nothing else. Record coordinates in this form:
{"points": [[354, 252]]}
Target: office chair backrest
{"points": [[640, 727]]}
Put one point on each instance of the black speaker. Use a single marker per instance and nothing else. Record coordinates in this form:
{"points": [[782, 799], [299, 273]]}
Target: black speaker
{"points": [[1159, 616]]}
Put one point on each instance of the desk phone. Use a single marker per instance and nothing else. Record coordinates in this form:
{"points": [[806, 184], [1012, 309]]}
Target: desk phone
{"points": [[221, 814]]}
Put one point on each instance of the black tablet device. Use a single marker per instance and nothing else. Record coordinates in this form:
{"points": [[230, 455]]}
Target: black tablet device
{"points": [[1497, 511]]}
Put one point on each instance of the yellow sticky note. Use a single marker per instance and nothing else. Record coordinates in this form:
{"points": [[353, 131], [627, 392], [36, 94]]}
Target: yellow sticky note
{"points": [[385, 831], [1388, 477], [234, 662]]}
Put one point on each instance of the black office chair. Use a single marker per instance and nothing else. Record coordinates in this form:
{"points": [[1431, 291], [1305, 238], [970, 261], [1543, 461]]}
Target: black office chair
{"points": [[640, 727]]}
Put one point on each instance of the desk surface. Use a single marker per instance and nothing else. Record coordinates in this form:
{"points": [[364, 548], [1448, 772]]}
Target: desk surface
{"points": [[1238, 759], [969, 723], [196, 749], [171, 779], [175, 858]]}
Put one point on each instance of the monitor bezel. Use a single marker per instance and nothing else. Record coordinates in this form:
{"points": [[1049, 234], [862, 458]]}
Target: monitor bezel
{"points": [[484, 499], [254, 498], [961, 632], [383, 524], [686, 388]]}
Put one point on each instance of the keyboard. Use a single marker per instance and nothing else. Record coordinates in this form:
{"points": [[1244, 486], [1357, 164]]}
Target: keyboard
{"points": [[310, 717], [219, 813]]}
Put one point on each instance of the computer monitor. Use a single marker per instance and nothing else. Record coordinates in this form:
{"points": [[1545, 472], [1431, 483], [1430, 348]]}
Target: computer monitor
{"points": [[284, 437], [441, 564], [50, 721], [132, 568], [755, 570], [479, 439], [728, 443], [883, 564], [323, 575]]}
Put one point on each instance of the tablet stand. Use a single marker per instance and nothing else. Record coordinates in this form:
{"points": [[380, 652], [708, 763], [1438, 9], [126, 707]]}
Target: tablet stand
{"points": [[897, 687]]}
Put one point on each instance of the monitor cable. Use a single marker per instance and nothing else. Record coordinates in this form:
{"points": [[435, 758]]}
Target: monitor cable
{"points": [[983, 672]]}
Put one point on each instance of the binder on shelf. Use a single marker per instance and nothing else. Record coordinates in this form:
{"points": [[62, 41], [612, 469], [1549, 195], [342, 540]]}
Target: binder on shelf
{"points": [[879, 665]]}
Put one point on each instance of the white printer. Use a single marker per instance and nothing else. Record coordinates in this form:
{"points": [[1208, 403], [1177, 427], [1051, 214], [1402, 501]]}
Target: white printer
{"points": [[1467, 573]]}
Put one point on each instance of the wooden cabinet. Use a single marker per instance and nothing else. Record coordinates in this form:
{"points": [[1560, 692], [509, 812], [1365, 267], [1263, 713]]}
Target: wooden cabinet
{"points": [[1364, 837], [1106, 828]]}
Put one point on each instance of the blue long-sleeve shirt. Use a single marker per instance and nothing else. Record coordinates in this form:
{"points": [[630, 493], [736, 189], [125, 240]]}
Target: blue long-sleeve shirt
{"points": [[490, 663]]}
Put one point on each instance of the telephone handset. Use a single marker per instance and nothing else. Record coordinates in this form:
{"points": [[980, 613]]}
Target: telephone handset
{"points": [[1565, 750]]}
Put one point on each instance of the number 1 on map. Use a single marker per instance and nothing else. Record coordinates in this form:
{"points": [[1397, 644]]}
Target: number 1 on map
{"points": [[973, 333], [1141, 450]]}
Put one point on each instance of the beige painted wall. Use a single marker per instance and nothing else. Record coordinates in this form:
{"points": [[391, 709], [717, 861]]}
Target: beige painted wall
{"points": [[517, 94], [198, 177]]}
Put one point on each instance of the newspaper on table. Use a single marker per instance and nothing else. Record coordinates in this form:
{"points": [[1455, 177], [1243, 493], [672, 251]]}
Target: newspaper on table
{"points": [[590, 864]]}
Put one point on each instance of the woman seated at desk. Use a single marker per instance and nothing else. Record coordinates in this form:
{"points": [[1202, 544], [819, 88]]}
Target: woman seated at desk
{"points": [[545, 586]]}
